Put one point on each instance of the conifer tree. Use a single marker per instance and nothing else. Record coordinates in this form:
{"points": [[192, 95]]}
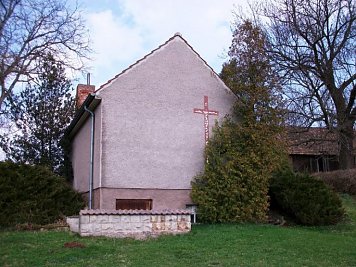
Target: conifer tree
{"points": [[41, 114], [247, 147]]}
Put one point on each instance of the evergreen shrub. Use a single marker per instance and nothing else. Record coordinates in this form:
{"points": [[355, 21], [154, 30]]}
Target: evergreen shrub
{"points": [[234, 184], [307, 200], [34, 195], [247, 147]]}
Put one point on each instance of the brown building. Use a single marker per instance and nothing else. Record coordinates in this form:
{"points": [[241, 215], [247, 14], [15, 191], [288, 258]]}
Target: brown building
{"points": [[314, 149]]}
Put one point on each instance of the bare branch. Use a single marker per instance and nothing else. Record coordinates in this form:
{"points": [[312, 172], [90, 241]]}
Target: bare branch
{"points": [[29, 30], [312, 43]]}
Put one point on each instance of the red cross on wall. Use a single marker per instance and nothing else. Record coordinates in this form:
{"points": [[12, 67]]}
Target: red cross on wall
{"points": [[206, 113]]}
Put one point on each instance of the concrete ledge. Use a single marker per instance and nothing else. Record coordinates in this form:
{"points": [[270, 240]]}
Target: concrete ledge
{"points": [[134, 212]]}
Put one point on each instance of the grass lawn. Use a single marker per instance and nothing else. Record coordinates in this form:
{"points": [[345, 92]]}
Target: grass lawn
{"points": [[206, 245]]}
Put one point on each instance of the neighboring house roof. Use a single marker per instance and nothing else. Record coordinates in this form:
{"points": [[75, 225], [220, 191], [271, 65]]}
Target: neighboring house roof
{"points": [[177, 35], [313, 141]]}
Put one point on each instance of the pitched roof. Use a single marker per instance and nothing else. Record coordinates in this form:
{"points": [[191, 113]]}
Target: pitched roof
{"points": [[176, 36], [313, 141]]}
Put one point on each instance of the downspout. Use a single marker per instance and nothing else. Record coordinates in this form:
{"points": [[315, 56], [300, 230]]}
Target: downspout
{"points": [[91, 157]]}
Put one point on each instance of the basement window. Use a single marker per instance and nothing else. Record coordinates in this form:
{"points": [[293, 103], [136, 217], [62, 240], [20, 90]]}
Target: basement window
{"points": [[133, 204]]}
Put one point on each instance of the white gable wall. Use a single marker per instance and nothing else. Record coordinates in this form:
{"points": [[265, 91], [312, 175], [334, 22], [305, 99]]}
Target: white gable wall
{"points": [[151, 137]]}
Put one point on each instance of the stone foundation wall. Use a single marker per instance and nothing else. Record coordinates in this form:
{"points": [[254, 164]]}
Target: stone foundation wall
{"points": [[131, 223], [73, 222]]}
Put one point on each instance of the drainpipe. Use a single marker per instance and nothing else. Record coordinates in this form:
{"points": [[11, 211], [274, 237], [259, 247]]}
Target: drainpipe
{"points": [[91, 157]]}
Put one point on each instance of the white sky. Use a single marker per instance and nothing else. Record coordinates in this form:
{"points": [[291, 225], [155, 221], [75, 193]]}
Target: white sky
{"points": [[123, 31]]}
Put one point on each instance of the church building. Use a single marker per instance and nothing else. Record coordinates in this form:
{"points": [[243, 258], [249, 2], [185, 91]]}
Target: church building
{"points": [[138, 140]]}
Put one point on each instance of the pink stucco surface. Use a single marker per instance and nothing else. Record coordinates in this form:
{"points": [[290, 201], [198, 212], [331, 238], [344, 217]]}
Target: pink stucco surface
{"points": [[151, 142], [161, 198], [151, 137], [80, 154]]}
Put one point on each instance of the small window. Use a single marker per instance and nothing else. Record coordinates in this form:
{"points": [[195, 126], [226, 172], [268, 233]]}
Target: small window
{"points": [[133, 204]]}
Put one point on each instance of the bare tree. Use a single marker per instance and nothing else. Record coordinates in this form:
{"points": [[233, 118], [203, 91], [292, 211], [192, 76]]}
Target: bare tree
{"points": [[29, 30], [313, 45]]}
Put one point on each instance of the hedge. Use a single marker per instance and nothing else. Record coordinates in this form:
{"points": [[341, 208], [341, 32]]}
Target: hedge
{"points": [[34, 195], [308, 200]]}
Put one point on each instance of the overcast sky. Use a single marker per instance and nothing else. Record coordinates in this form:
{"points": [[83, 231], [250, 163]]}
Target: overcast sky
{"points": [[123, 31]]}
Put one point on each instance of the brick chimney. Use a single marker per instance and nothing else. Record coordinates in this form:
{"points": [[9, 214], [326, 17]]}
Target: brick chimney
{"points": [[83, 90]]}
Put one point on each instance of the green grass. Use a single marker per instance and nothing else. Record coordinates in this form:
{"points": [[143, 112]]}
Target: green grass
{"points": [[206, 245]]}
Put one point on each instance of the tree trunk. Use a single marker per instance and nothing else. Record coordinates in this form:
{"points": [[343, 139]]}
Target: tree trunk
{"points": [[346, 136]]}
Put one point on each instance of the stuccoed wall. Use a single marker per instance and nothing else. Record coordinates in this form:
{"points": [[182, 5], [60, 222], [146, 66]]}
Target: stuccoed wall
{"points": [[151, 138]]}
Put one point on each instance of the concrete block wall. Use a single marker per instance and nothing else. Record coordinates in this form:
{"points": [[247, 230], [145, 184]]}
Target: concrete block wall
{"points": [[131, 223], [73, 222]]}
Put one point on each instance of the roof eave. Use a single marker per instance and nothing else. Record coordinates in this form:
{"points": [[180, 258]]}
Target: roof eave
{"points": [[91, 102]]}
